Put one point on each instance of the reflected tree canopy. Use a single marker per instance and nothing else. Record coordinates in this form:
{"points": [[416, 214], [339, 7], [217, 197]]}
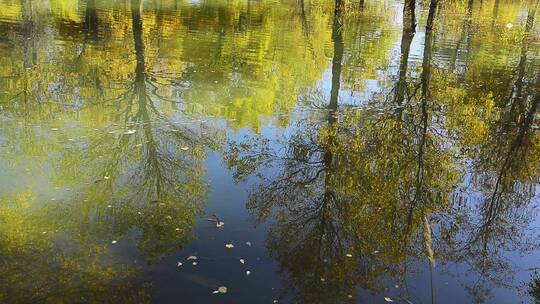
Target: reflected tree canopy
{"points": [[383, 140], [441, 168]]}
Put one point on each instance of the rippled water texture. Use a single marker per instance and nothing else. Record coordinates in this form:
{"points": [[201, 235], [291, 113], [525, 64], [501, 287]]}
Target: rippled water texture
{"points": [[302, 151]]}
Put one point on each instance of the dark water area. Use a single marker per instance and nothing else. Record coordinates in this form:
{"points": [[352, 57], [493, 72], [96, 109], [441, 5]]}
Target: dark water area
{"points": [[302, 151]]}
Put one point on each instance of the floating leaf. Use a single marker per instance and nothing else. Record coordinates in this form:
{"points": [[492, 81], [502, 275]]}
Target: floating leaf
{"points": [[387, 299], [248, 243], [113, 242], [242, 261], [130, 132], [191, 257], [222, 289], [179, 264], [348, 255], [229, 246], [248, 272]]}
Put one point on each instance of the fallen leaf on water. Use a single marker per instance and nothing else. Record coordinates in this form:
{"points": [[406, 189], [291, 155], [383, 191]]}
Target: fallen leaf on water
{"points": [[113, 242], [194, 263], [229, 246], [106, 177], [191, 257], [348, 255], [179, 264], [184, 148], [242, 261], [248, 243], [387, 299], [129, 132], [220, 224], [215, 291], [222, 289], [248, 272]]}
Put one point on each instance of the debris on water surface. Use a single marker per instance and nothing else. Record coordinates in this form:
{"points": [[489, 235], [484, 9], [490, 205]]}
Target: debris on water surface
{"points": [[275, 301], [217, 222], [242, 261], [130, 132], [348, 255], [248, 243], [113, 242], [54, 129], [106, 177], [191, 257], [387, 299], [194, 263], [248, 272], [177, 229], [179, 264], [229, 246], [509, 25], [221, 289], [185, 148], [109, 206]]}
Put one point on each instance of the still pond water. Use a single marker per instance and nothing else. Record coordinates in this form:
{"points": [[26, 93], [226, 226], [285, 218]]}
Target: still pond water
{"points": [[156, 151]]}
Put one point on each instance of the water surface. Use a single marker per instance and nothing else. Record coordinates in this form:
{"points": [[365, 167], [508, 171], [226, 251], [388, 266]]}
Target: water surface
{"points": [[153, 151]]}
